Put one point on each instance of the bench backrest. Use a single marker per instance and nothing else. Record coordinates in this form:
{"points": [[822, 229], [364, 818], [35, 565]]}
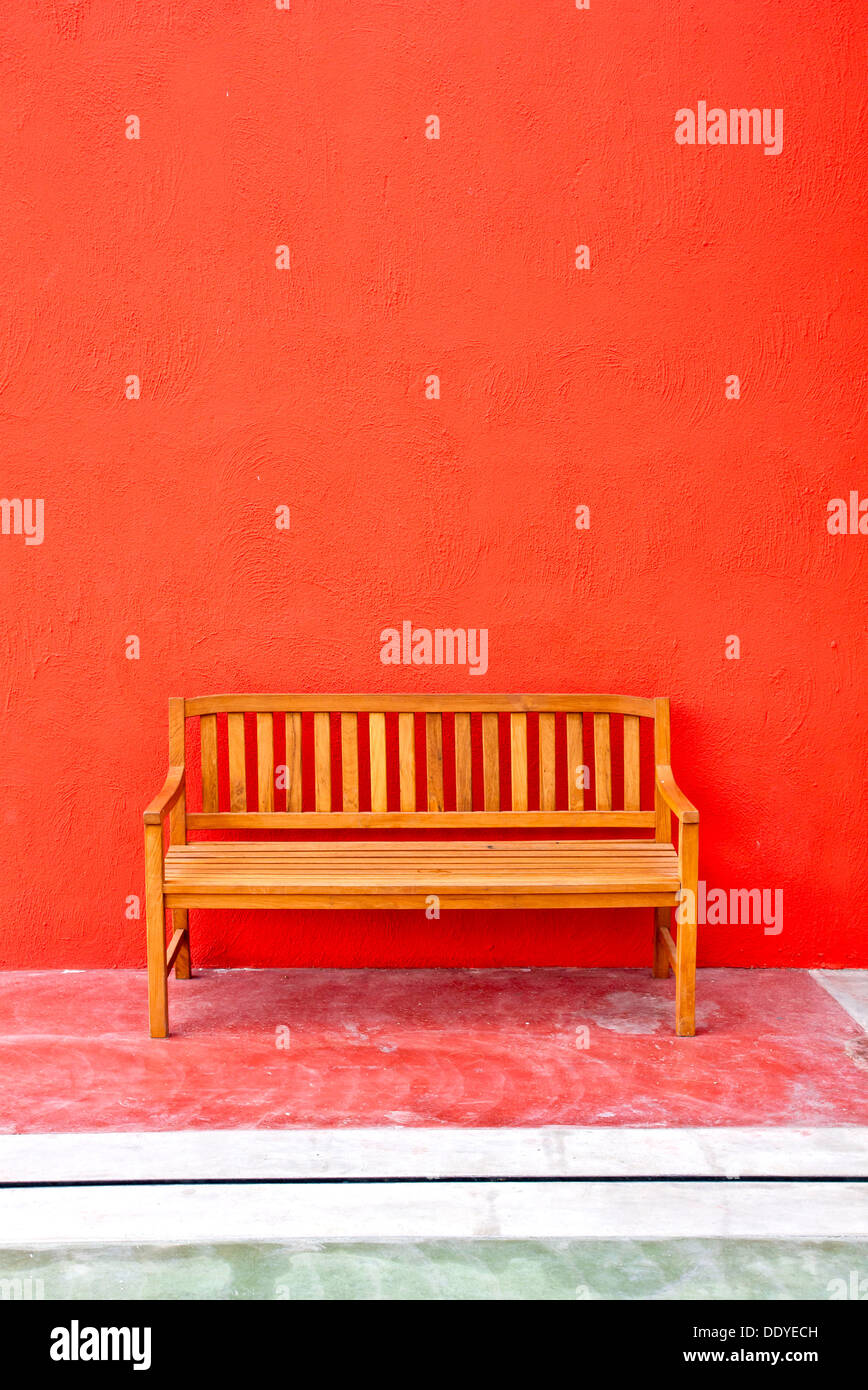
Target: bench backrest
{"points": [[415, 761]]}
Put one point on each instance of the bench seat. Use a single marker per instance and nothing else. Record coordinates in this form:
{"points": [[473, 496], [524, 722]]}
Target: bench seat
{"points": [[638, 870]]}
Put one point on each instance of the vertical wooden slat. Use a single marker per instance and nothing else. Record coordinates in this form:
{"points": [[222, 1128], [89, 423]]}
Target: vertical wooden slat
{"points": [[322, 756], [663, 818], [237, 770], [547, 762], [602, 762], [265, 761], [407, 760], [208, 753], [377, 744], [491, 762], [434, 758], [463, 764], [575, 762], [350, 761], [293, 762], [518, 763], [632, 800]]}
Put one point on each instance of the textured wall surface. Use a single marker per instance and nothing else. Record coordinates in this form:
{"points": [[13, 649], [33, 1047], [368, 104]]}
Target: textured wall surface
{"points": [[306, 387]]}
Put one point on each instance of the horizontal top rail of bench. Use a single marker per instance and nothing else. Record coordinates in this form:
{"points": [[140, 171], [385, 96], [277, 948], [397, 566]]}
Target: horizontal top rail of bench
{"points": [[418, 704]]}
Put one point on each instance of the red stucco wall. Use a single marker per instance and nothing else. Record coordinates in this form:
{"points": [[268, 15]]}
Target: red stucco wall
{"points": [[560, 387]]}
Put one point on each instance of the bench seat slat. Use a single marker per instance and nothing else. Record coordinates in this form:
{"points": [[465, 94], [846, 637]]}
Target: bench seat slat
{"points": [[263, 867]]}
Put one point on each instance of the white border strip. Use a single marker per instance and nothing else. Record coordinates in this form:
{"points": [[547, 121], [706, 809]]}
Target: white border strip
{"points": [[386, 1213], [555, 1152]]}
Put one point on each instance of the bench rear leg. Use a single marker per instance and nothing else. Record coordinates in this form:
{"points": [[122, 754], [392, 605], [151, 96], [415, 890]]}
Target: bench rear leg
{"points": [[183, 963], [662, 918]]}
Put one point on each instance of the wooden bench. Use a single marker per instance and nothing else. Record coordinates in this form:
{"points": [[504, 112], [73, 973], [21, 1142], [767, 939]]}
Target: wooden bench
{"points": [[484, 762]]}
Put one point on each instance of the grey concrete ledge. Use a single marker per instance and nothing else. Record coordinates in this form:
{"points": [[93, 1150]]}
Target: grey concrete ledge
{"points": [[552, 1152], [383, 1213]]}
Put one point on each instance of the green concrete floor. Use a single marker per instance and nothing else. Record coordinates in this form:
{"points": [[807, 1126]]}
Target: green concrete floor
{"points": [[515, 1270]]}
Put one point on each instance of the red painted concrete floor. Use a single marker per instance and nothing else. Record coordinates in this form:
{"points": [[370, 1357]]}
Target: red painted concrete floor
{"points": [[424, 1047]]}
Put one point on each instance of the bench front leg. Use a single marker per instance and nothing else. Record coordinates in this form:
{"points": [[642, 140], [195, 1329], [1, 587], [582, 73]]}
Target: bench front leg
{"points": [[685, 966], [155, 913]]}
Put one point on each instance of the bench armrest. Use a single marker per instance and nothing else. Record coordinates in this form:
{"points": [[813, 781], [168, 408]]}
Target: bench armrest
{"points": [[166, 798], [674, 797]]}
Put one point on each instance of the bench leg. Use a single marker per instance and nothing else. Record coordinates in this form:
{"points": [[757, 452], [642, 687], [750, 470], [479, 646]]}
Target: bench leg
{"points": [[662, 918], [183, 964], [685, 981], [685, 946], [155, 914]]}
